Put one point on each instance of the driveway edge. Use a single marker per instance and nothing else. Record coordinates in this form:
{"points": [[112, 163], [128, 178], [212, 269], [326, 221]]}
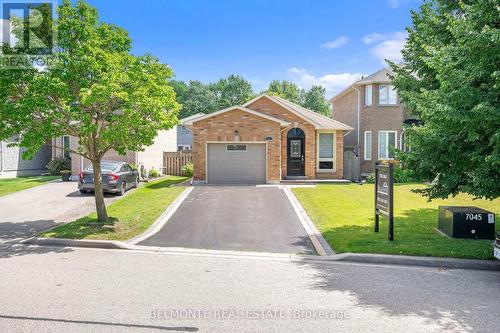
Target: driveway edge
{"points": [[319, 242], [164, 217]]}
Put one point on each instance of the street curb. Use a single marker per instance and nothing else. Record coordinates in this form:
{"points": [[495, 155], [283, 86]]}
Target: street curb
{"points": [[319, 242], [356, 258], [99, 244], [438, 262]]}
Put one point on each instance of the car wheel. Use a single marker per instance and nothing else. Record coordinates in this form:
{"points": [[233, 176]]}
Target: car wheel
{"points": [[83, 191], [122, 189], [136, 184]]}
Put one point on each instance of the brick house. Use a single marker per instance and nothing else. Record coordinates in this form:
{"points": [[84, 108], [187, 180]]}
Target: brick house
{"points": [[372, 107], [266, 140]]}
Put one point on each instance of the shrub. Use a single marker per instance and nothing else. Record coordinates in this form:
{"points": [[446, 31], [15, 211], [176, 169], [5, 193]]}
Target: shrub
{"points": [[404, 176], [400, 176], [57, 165], [370, 179], [153, 173], [187, 170]]}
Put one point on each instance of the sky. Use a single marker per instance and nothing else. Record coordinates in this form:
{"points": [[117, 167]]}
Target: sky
{"points": [[331, 43]]}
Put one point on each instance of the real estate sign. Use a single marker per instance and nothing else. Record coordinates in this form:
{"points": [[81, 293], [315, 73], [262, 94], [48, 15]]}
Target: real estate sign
{"points": [[384, 195]]}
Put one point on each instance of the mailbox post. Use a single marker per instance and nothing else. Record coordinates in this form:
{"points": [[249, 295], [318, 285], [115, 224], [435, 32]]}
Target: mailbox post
{"points": [[384, 196]]}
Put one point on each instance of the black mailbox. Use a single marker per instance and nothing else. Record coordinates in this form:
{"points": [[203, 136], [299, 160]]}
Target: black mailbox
{"points": [[466, 222]]}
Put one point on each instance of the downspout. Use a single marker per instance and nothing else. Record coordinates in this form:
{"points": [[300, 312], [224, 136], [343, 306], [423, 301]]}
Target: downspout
{"points": [[358, 118]]}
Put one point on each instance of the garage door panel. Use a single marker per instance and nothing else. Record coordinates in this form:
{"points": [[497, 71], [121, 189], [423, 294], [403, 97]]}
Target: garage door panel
{"points": [[236, 167]]}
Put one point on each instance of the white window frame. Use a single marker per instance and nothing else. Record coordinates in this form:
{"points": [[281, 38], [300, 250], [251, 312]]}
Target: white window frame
{"points": [[387, 143], [64, 150], [334, 155], [368, 95], [389, 87], [365, 146]]}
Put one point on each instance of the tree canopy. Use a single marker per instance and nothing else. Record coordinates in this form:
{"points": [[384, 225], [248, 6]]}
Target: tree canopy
{"points": [[288, 90], [314, 99], [450, 79], [94, 90]]}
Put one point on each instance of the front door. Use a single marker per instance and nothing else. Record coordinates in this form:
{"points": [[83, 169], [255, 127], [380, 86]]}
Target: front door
{"points": [[295, 165]]}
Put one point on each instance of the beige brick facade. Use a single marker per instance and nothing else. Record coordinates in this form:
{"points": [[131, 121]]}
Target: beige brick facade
{"points": [[254, 128]]}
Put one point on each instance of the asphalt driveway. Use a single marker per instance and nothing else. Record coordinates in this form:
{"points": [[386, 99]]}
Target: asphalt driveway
{"points": [[241, 218], [26, 212]]}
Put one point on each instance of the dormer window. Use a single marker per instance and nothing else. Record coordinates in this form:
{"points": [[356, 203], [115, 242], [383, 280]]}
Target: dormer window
{"points": [[387, 95], [368, 95]]}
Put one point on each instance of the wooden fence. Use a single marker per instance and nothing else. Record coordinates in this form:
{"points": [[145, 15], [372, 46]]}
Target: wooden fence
{"points": [[174, 161]]}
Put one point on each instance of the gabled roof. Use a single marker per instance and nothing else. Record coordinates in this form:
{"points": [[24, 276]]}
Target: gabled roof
{"points": [[380, 76], [237, 107], [319, 121], [192, 117]]}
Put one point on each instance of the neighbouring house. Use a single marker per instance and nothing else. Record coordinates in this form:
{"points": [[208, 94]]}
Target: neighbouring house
{"points": [[13, 165], [266, 140], [177, 138], [151, 157], [372, 107], [184, 133]]}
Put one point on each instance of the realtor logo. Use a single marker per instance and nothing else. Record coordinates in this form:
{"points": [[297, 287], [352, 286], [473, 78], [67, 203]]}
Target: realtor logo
{"points": [[26, 35]]}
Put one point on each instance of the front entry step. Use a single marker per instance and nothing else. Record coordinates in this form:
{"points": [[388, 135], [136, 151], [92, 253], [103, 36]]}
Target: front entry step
{"points": [[296, 177]]}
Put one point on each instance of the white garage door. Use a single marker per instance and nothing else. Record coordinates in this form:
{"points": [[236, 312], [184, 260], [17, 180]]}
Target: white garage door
{"points": [[236, 163]]}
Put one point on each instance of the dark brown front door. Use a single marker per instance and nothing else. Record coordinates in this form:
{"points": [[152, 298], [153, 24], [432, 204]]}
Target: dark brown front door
{"points": [[295, 152]]}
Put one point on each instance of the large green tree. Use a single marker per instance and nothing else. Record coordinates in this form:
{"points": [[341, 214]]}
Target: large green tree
{"points": [[314, 99], [233, 90], [450, 79], [194, 97], [94, 90], [287, 90]]}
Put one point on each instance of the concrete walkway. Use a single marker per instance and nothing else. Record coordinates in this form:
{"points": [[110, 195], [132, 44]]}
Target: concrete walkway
{"points": [[26, 212], [240, 218]]}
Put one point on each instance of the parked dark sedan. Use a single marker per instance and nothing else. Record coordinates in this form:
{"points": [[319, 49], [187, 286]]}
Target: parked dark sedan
{"points": [[117, 177]]}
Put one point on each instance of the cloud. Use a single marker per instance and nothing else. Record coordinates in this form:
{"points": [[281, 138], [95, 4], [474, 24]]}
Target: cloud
{"points": [[373, 37], [397, 3], [386, 46], [333, 83], [336, 43]]}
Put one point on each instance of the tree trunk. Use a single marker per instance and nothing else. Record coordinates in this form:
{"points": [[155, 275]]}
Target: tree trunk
{"points": [[102, 214]]}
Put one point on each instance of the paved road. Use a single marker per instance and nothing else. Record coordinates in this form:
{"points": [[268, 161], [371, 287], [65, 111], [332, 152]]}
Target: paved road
{"points": [[242, 218], [26, 212], [87, 290]]}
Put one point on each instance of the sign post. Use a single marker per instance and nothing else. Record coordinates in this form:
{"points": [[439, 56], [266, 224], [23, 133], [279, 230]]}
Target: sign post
{"points": [[384, 196]]}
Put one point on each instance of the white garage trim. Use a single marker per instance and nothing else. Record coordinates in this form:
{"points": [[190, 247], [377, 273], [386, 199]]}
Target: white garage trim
{"points": [[233, 142]]}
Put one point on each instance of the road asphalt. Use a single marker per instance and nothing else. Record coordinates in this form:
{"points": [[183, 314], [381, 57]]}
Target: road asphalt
{"points": [[48, 289]]}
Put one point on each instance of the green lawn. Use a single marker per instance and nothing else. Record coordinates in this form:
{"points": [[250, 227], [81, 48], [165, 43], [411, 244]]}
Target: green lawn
{"points": [[10, 185], [129, 216], [344, 215]]}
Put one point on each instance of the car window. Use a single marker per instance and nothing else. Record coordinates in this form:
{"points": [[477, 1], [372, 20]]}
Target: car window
{"points": [[105, 166]]}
